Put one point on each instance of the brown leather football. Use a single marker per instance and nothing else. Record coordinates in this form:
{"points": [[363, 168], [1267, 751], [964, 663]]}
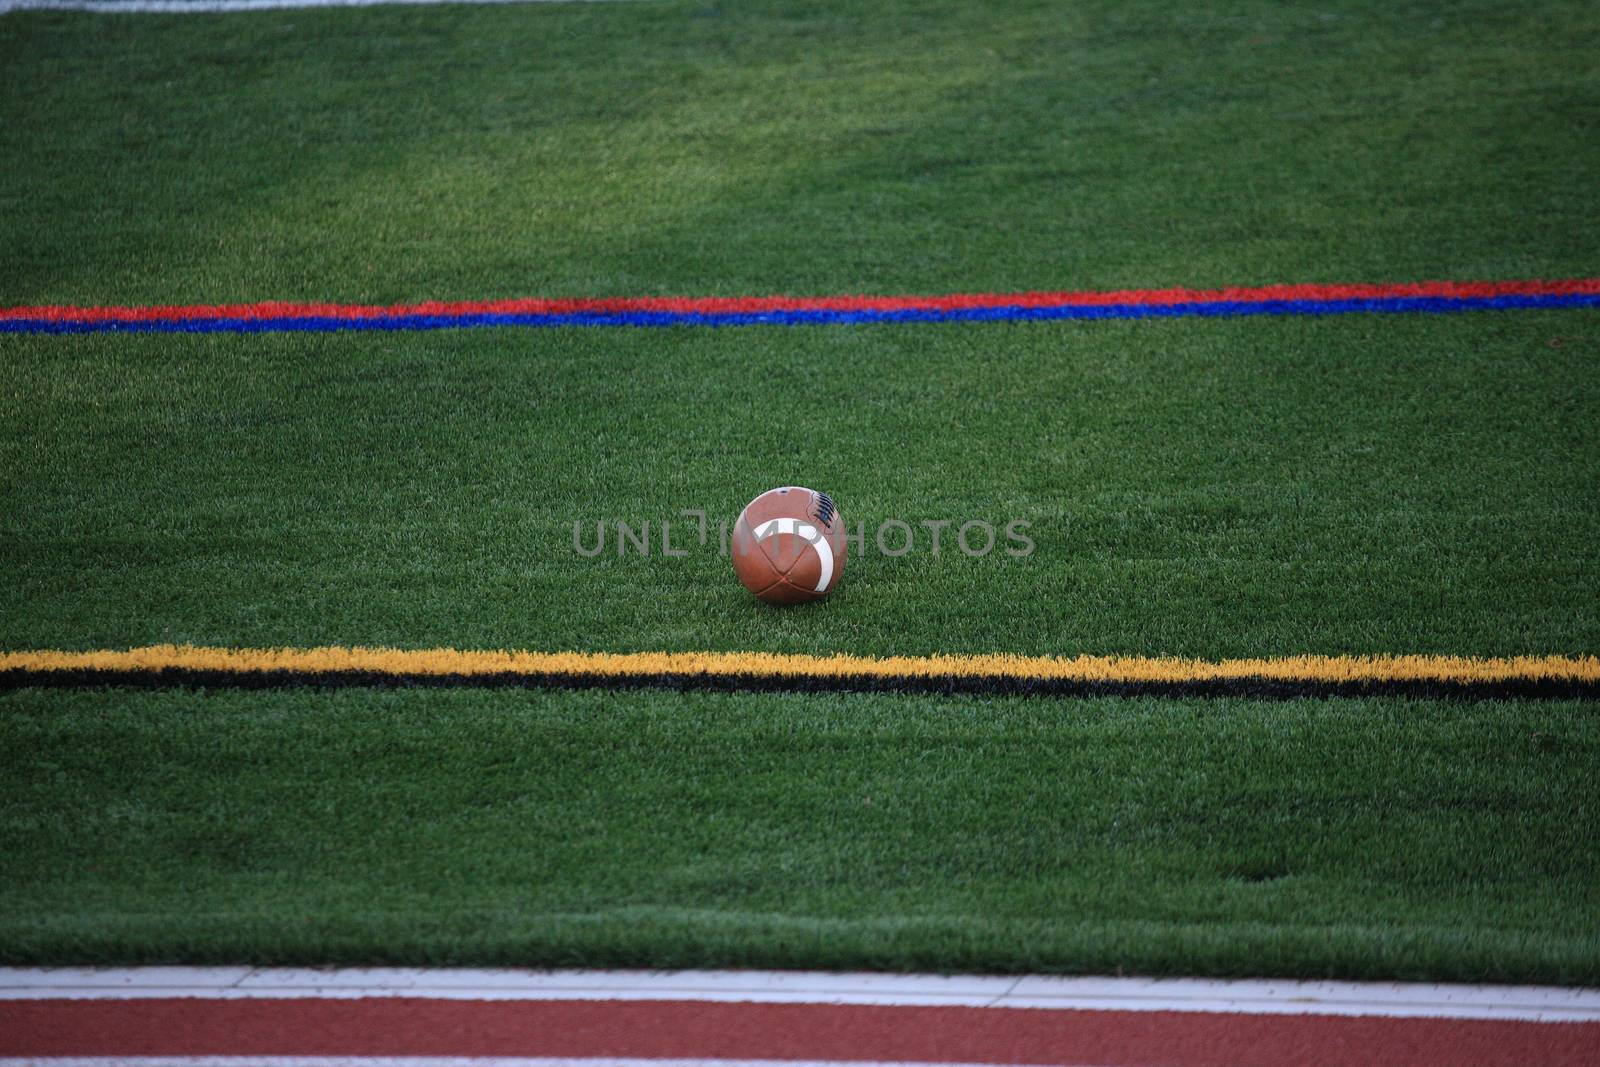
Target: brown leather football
{"points": [[789, 545]]}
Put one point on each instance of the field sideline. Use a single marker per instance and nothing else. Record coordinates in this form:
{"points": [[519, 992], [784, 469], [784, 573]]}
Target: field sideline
{"points": [[1167, 287], [1440, 676]]}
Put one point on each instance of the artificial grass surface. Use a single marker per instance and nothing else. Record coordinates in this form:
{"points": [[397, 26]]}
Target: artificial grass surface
{"points": [[686, 148], [1369, 838], [1203, 488]]}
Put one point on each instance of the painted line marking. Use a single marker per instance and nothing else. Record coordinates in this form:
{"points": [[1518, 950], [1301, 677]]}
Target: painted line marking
{"points": [[1219, 996], [446, 1061], [269, 317], [1113, 669], [223, 7]]}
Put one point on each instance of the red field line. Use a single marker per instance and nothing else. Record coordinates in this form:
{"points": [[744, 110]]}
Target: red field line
{"points": [[745, 1031], [731, 305]]}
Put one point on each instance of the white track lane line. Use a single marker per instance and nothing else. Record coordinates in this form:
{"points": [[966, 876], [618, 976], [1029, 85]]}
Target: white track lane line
{"points": [[222, 7], [1249, 997], [436, 1061]]}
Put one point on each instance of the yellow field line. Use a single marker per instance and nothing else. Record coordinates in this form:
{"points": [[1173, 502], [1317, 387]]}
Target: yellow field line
{"points": [[441, 661]]}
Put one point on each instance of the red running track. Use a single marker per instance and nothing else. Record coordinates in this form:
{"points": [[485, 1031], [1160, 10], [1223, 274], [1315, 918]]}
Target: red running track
{"points": [[702, 1030]]}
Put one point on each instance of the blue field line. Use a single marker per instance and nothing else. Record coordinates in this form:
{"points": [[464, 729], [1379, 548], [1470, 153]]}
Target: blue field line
{"points": [[818, 317]]}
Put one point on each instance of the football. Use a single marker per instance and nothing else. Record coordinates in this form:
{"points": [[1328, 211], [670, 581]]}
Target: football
{"points": [[789, 545]]}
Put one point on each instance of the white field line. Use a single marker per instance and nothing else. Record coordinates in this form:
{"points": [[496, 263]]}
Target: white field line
{"points": [[1249, 997], [217, 7]]}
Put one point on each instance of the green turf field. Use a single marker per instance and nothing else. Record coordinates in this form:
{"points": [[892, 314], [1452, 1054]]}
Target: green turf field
{"points": [[1372, 839], [1208, 488]]}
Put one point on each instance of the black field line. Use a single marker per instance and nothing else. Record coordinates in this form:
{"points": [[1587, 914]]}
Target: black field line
{"points": [[953, 685]]}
